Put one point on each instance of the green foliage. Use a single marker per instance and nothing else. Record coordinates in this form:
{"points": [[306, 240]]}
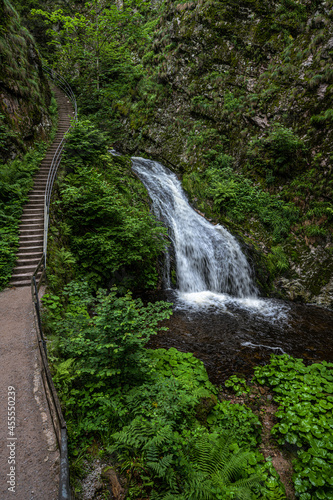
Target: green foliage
{"points": [[85, 143], [91, 37], [144, 404], [7, 135], [238, 384], [109, 347], [280, 151], [182, 366], [235, 416], [25, 92], [238, 198], [106, 224], [325, 118], [220, 470], [16, 180], [166, 448], [277, 261], [94, 356], [305, 397]]}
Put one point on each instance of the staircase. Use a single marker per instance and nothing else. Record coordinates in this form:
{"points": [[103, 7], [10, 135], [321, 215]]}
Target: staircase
{"points": [[32, 223]]}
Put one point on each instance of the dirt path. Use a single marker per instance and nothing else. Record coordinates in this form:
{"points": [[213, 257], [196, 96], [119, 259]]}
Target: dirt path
{"points": [[31, 446]]}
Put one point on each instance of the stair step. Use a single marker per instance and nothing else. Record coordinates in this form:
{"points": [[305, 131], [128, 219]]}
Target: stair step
{"points": [[33, 209], [19, 270], [27, 247], [20, 283], [32, 239], [27, 261], [35, 225], [32, 221], [27, 212], [38, 231], [24, 280], [23, 277], [28, 226], [29, 255]]}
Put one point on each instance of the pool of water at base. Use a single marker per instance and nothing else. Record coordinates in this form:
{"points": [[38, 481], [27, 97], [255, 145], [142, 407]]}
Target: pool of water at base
{"points": [[231, 336]]}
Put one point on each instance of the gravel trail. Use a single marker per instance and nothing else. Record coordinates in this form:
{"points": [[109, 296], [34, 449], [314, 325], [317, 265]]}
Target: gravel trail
{"points": [[31, 446]]}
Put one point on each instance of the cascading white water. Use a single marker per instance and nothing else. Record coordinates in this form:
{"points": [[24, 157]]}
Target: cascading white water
{"points": [[208, 257]]}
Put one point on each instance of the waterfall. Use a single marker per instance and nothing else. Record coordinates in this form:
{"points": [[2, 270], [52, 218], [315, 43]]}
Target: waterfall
{"points": [[208, 257]]}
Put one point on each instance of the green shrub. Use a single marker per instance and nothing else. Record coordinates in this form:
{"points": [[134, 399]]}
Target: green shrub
{"points": [[237, 197], [16, 180], [305, 420], [105, 223], [277, 261], [280, 151]]}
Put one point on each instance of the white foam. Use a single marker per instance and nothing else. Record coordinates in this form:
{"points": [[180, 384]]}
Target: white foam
{"points": [[250, 344], [219, 302]]}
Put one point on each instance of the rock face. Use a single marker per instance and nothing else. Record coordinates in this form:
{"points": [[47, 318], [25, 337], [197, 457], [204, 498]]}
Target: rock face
{"points": [[24, 91], [244, 78]]}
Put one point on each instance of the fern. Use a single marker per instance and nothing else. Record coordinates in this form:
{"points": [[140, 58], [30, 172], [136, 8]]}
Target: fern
{"points": [[149, 438], [152, 452], [218, 468], [163, 469], [141, 434]]}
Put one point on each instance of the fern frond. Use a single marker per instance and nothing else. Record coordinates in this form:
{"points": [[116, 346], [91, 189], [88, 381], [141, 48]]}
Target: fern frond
{"points": [[220, 469], [199, 488], [161, 466], [243, 494], [135, 435], [232, 468], [212, 457], [248, 482], [152, 453]]}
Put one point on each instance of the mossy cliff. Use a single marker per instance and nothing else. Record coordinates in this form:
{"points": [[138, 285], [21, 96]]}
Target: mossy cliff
{"points": [[24, 91], [238, 96]]}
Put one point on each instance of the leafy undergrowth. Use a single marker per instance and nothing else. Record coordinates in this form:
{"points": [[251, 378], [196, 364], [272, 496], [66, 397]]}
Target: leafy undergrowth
{"points": [[155, 416], [16, 180], [104, 230], [303, 421], [260, 400], [153, 413]]}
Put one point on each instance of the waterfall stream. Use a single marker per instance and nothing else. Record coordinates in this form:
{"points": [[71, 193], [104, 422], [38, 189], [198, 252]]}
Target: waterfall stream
{"points": [[217, 312], [210, 265], [207, 257]]}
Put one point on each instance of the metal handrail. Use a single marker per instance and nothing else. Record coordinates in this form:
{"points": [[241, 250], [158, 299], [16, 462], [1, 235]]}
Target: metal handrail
{"points": [[64, 85], [58, 420]]}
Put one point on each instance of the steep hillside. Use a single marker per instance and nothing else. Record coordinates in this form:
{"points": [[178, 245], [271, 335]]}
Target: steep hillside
{"points": [[24, 91], [238, 96]]}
